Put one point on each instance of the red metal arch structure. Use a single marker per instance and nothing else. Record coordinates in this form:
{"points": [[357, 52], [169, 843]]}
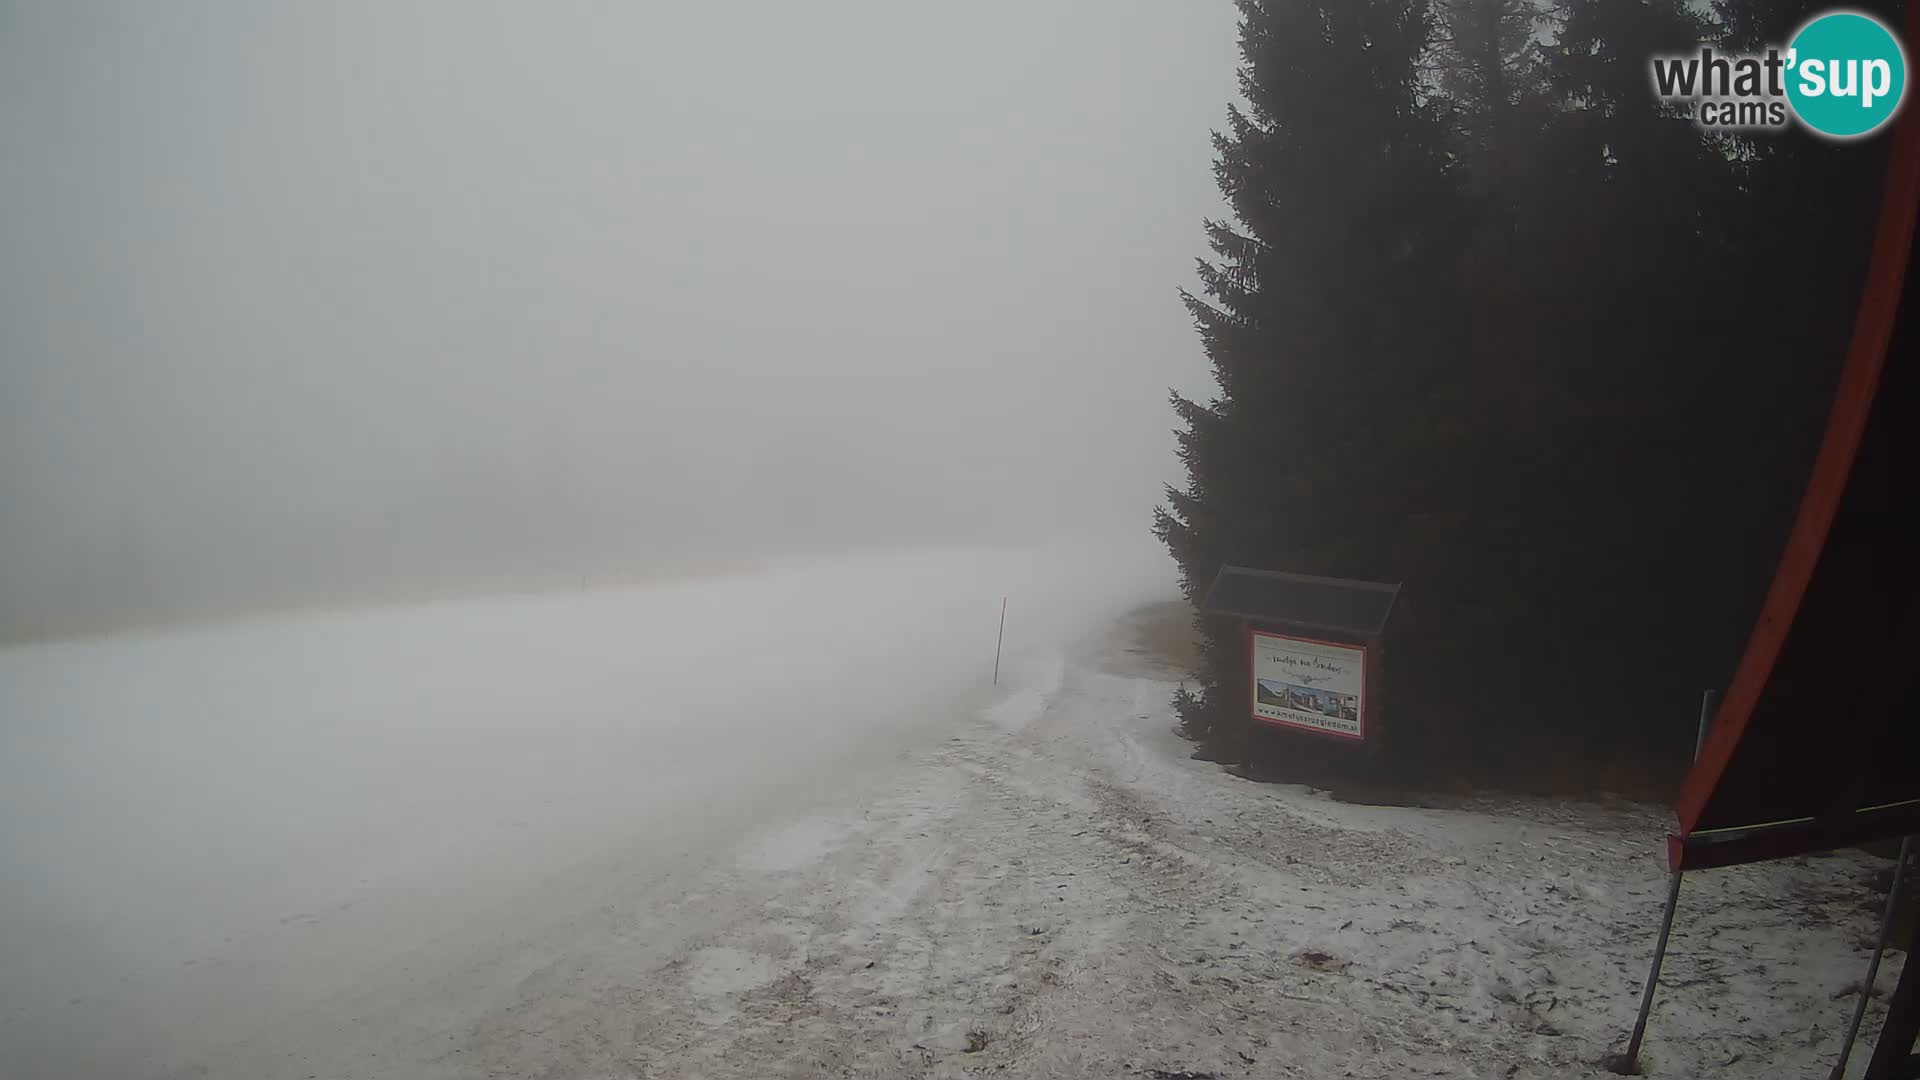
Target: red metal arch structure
{"points": [[1816, 744]]}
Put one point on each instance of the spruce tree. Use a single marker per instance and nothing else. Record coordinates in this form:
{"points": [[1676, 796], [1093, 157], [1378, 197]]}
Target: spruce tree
{"points": [[1322, 313]]}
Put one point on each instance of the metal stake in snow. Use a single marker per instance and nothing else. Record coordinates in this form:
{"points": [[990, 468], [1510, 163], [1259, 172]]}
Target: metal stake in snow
{"points": [[1002, 636], [1707, 701]]}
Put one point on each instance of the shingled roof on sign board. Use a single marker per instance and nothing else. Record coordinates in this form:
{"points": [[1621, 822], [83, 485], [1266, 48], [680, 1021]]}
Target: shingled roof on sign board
{"points": [[1335, 605]]}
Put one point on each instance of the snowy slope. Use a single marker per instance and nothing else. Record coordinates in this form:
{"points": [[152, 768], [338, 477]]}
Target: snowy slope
{"points": [[1058, 891], [207, 830], [780, 825]]}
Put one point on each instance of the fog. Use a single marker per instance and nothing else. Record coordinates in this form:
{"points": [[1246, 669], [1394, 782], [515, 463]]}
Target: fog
{"points": [[308, 302], [241, 845], [801, 332]]}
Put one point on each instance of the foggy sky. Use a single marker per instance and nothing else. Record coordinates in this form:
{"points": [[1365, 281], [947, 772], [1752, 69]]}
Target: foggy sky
{"points": [[309, 299]]}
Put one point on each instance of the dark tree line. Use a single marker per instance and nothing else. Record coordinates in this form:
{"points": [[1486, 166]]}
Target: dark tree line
{"points": [[1491, 321]]}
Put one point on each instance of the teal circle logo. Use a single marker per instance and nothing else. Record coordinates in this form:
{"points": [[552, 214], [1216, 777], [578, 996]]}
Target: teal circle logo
{"points": [[1846, 74]]}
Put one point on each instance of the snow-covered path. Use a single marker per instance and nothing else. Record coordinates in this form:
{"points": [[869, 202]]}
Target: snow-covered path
{"points": [[1059, 891], [1041, 884]]}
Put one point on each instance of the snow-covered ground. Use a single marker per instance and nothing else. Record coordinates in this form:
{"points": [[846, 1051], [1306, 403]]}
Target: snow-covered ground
{"points": [[781, 824]]}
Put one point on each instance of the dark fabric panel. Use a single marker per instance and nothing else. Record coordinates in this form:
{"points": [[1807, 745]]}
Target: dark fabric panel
{"points": [[1837, 727]]}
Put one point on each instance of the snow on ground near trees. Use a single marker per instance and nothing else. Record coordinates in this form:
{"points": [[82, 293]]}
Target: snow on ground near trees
{"points": [[779, 824]]}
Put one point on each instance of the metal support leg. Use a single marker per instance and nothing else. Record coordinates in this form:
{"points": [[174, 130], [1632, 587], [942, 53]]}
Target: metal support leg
{"points": [[1893, 1053], [1628, 1064], [1872, 967]]}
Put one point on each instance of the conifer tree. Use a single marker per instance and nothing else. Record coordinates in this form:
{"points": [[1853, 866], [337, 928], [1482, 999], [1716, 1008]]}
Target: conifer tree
{"points": [[1319, 314]]}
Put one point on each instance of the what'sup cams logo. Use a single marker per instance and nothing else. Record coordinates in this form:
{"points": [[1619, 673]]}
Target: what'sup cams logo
{"points": [[1843, 75]]}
